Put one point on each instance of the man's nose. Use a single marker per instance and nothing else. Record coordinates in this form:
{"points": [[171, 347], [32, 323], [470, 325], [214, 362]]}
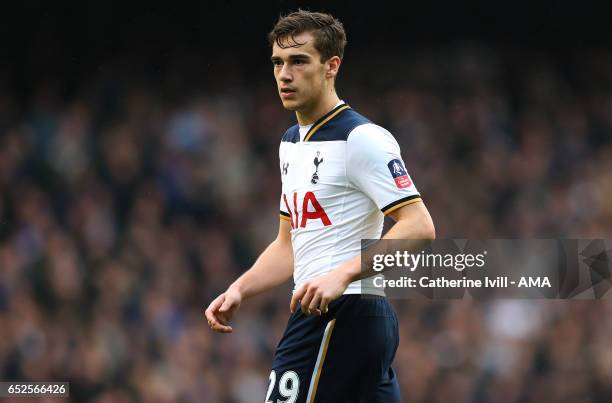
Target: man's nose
{"points": [[284, 74]]}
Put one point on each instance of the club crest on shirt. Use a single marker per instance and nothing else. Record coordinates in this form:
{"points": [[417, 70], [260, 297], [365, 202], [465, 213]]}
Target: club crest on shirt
{"points": [[316, 162], [399, 174]]}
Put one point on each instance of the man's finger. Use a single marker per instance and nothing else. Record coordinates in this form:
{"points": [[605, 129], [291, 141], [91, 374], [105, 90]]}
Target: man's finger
{"points": [[305, 302], [227, 304], [297, 296], [218, 323], [221, 318], [314, 304], [217, 302], [324, 305], [211, 312], [217, 327], [210, 315]]}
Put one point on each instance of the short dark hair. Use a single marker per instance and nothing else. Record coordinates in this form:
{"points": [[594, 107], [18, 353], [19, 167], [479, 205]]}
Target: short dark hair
{"points": [[329, 34]]}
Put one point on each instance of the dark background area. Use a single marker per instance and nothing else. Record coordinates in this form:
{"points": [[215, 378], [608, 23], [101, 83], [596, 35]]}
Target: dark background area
{"points": [[69, 43]]}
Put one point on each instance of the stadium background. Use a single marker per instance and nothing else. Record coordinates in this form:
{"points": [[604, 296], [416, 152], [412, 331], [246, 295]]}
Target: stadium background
{"points": [[139, 177]]}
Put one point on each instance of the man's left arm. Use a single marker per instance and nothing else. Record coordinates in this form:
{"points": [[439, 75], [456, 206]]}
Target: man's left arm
{"points": [[412, 221]]}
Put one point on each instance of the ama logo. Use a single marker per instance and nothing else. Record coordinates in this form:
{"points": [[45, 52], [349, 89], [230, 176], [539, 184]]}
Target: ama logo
{"points": [[400, 176]]}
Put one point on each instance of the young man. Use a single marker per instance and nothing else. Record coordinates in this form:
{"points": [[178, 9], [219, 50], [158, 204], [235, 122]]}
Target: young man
{"points": [[340, 175]]}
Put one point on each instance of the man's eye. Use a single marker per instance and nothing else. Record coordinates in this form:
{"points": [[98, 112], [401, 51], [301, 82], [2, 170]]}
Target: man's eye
{"points": [[277, 63], [298, 62]]}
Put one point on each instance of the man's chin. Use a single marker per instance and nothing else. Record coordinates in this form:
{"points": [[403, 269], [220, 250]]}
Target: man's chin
{"points": [[290, 105]]}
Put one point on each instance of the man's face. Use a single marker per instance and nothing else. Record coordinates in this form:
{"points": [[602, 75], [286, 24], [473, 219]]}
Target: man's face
{"points": [[300, 75]]}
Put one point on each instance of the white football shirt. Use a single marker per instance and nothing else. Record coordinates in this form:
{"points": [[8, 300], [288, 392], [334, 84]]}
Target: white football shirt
{"points": [[340, 176]]}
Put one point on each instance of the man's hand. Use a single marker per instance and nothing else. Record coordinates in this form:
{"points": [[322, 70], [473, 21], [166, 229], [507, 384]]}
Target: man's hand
{"points": [[222, 309], [317, 293]]}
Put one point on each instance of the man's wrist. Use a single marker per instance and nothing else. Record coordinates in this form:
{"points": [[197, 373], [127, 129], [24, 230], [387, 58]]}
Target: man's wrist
{"points": [[348, 275], [236, 287]]}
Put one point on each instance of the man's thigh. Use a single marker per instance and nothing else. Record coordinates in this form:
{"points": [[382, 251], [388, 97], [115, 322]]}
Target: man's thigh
{"points": [[341, 357]]}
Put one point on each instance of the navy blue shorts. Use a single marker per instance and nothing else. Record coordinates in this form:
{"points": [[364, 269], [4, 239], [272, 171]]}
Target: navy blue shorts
{"points": [[343, 356]]}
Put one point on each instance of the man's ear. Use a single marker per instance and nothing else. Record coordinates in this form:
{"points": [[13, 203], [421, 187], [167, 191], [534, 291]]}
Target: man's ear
{"points": [[333, 65]]}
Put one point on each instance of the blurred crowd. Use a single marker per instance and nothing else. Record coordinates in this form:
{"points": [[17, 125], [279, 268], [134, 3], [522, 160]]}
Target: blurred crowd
{"points": [[124, 211]]}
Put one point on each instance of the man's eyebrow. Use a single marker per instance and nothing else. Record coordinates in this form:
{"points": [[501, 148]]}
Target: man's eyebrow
{"points": [[300, 56], [292, 57]]}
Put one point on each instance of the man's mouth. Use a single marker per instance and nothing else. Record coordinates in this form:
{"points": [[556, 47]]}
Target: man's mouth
{"points": [[287, 92]]}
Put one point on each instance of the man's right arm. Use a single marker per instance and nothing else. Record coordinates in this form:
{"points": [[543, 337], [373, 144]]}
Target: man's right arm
{"points": [[272, 268]]}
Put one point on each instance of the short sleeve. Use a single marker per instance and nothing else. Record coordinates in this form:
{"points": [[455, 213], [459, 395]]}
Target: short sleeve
{"points": [[375, 166]]}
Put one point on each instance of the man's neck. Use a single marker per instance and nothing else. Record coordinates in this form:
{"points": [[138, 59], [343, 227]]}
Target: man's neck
{"points": [[308, 117]]}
